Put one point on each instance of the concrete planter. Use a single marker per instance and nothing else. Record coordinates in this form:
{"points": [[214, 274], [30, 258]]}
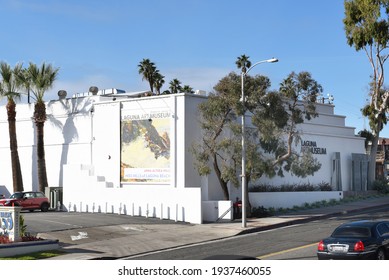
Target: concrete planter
{"points": [[21, 248], [290, 199]]}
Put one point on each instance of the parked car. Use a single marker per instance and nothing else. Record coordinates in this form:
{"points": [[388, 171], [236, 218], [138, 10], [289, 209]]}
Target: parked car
{"points": [[356, 240], [28, 201]]}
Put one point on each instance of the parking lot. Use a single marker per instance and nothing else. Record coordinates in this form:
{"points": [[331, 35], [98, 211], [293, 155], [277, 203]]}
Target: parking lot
{"points": [[43, 222]]}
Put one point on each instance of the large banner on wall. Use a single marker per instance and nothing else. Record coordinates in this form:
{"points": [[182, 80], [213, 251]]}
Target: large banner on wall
{"points": [[145, 147]]}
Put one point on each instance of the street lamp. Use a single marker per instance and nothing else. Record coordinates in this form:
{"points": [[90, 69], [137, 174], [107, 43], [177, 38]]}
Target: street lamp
{"points": [[244, 196]]}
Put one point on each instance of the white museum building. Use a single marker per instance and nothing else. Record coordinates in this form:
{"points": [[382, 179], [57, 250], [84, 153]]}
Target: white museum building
{"points": [[116, 152]]}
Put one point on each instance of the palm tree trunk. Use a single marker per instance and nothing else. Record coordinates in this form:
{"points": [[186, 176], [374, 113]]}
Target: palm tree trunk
{"points": [[17, 179], [40, 118]]}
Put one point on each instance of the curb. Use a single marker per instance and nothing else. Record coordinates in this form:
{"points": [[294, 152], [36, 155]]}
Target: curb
{"points": [[309, 219], [21, 248]]}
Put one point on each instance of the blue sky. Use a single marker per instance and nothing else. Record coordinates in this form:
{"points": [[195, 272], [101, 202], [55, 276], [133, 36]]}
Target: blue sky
{"points": [[196, 41]]}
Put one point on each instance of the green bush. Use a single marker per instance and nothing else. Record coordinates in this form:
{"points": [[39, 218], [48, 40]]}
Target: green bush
{"points": [[22, 226], [382, 186], [323, 186], [261, 212]]}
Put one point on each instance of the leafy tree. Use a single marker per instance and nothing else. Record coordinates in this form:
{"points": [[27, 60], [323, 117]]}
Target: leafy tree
{"points": [[276, 116], [9, 89], [148, 70], [299, 91], [217, 120], [270, 139], [367, 135], [38, 80], [367, 28]]}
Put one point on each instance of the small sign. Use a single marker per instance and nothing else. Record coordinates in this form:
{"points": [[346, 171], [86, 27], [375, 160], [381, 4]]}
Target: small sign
{"points": [[9, 222], [311, 146]]}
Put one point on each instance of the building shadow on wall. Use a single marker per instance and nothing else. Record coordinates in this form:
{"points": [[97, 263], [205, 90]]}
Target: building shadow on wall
{"points": [[69, 130]]}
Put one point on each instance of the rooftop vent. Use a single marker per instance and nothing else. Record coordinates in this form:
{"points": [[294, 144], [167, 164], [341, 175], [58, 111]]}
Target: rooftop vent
{"points": [[93, 90], [201, 92], [62, 94]]}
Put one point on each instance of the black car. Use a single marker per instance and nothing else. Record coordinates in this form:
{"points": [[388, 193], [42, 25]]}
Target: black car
{"points": [[356, 240]]}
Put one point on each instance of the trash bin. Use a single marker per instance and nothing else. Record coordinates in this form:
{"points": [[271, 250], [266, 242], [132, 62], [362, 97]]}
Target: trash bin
{"points": [[237, 209]]}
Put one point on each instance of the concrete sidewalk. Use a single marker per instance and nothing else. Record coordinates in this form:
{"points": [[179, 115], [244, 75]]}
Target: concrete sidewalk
{"points": [[131, 239]]}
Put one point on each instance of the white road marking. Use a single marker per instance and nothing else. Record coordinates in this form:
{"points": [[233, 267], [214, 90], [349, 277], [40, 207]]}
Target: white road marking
{"points": [[55, 222], [81, 235]]}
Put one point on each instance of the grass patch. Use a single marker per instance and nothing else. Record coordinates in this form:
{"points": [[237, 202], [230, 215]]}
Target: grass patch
{"points": [[36, 256]]}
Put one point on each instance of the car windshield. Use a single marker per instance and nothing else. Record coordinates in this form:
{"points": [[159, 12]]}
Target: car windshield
{"points": [[16, 195], [351, 232]]}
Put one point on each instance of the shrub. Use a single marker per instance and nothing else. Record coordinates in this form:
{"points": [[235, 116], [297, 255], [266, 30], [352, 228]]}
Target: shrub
{"points": [[325, 187], [260, 212], [22, 226], [4, 239], [382, 186], [306, 187], [27, 238]]}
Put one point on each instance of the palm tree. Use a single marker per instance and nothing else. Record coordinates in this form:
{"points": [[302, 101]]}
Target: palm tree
{"points": [[148, 70], [243, 63], [175, 86], [38, 80], [187, 89], [158, 82], [8, 88]]}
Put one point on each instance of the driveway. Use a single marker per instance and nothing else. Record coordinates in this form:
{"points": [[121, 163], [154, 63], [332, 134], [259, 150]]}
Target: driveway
{"points": [[43, 222]]}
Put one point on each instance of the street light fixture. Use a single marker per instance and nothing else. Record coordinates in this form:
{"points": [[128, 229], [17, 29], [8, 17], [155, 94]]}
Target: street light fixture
{"points": [[244, 187]]}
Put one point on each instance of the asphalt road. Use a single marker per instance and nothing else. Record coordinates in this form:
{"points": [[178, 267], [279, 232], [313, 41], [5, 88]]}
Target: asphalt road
{"points": [[298, 242], [41, 222]]}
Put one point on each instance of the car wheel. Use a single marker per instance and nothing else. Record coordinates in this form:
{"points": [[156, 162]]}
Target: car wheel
{"points": [[31, 210], [380, 254], [45, 207]]}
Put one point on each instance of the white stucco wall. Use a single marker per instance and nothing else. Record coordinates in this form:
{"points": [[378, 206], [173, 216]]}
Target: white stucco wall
{"points": [[67, 140], [83, 154], [180, 198], [290, 199], [327, 131]]}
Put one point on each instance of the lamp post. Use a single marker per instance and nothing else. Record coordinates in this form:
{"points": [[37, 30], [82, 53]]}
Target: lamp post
{"points": [[244, 187]]}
